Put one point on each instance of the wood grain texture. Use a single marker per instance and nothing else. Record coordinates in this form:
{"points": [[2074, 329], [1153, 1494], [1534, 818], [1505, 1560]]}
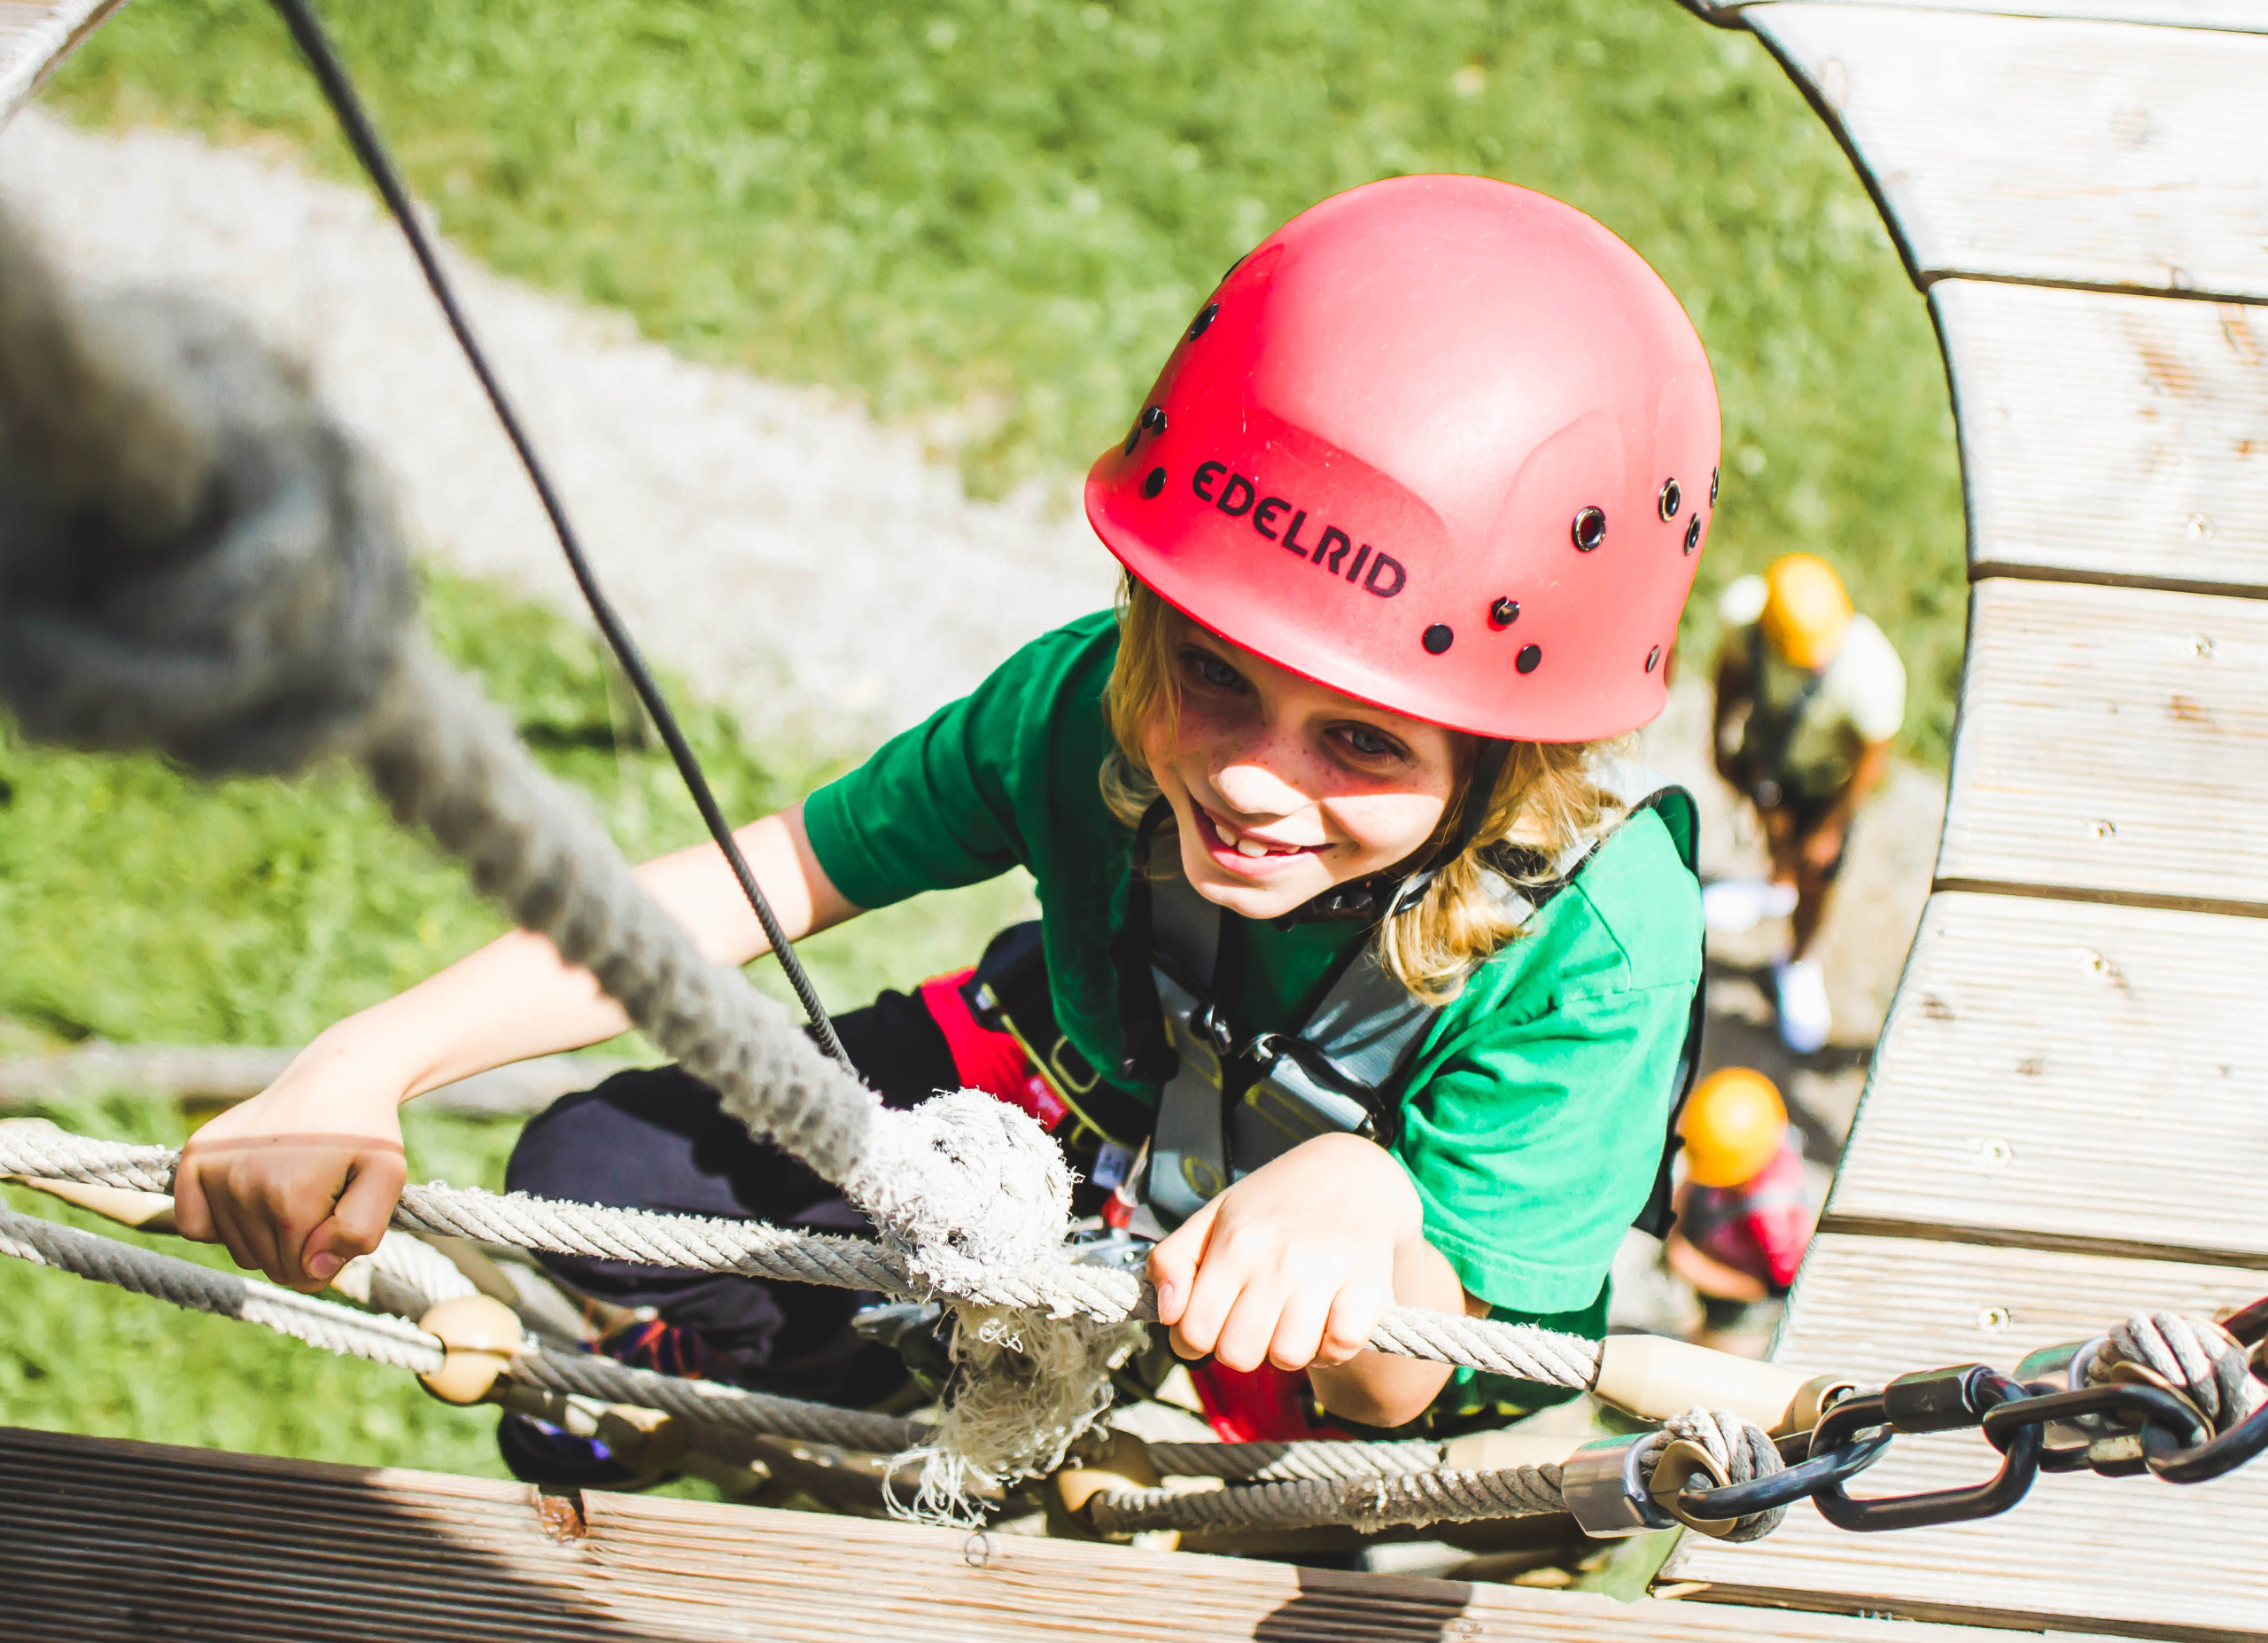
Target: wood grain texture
{"points": [[35, 35], [2246, 16], [2113, 741], [2106, 434], [2125, 1555], [123, 1543], [2106, 154], [2065, 1074]]}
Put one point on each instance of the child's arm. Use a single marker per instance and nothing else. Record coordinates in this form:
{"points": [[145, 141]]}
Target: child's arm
{"points": [[304, 1176], [1296, 1265]]}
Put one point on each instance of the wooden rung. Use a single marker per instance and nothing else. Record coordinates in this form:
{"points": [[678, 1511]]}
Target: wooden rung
{"points": [[2110, 435], [35, 38], [2244, 15], [2071, 1075], [2093, 153], [111, 1542], [2132, 1556], [2113, 741]]}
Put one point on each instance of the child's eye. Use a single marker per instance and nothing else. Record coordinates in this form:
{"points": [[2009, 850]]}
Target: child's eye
{"points": [[1210, 670], [1369, 742]]}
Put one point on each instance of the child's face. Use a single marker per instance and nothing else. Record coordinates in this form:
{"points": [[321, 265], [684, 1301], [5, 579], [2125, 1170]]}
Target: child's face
{"points": [[1325, 788]]}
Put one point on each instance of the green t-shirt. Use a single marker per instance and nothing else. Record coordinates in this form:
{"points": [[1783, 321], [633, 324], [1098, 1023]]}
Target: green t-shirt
{"points": [[1533, 1119]]}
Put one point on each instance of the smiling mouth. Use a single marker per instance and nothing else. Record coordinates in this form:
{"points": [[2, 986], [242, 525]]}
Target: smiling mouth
{"points": [[1239, 849]]}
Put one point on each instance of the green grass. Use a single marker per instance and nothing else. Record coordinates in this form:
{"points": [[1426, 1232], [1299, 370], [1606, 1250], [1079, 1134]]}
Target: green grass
{"points": [[995, 213]]}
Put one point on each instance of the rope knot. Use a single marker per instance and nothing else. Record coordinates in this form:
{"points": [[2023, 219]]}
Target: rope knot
{"points": [[964, 1189], [1735, 1446]]}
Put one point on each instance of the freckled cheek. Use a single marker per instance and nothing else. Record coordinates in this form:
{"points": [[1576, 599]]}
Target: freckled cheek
{"points": [[1386, 825]]}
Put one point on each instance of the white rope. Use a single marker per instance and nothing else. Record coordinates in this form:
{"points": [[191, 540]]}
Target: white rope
{"points": [[1320, 1460], [1055, 1287], [333, 1327], [403, 1276]]}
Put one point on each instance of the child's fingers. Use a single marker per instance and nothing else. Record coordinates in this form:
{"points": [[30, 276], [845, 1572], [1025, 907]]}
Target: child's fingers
{"points": [[1298, 1330], [1174, 1262], [358, 1221], [1250, 1328], [1213, 1294], [1354, 1317]]}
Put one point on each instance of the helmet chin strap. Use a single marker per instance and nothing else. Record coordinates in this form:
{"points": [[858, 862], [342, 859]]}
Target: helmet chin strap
{"points": [[1382, 895]]}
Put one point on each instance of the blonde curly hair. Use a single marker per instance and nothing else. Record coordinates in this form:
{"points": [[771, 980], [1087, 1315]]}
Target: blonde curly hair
{"points": [[1544, 803]]}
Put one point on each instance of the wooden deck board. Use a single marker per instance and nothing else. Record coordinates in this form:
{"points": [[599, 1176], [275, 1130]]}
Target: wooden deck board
{"points": [[2063, 1074], [2102, 154], [2126, 1555], [111, 1542], [2110, 435], [2246, 16], [2113, 741], [35, 35]]}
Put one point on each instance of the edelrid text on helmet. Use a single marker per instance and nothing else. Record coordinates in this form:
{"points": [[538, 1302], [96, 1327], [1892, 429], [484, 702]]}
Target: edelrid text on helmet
{"points": [[1442, 443]]}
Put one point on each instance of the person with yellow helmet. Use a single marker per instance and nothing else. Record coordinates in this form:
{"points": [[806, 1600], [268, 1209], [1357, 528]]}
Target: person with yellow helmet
{"points": [[1810, 694], [1745, 1214]]}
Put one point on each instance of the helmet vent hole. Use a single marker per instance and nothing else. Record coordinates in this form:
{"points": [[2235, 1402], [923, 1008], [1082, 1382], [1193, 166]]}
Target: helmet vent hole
{"points": [[1212, 311], [1438, 638], [1133, 438], [1590, 528], [1154, 483], [1713, 487], [1504, 612], [1154, 419], [1672, 498], [1529, 656], [1653, 658], [1693, 533]]}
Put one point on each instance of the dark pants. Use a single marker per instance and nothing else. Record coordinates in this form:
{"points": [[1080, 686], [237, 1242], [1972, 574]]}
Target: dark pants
{"points": [[656, 1139]]}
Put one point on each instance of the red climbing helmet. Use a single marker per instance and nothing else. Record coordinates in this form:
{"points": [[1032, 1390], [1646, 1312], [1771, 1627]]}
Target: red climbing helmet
{"points": [[1442, 443]]}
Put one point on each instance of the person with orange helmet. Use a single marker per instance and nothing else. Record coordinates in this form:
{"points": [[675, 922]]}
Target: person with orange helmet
{"points": [[1744, 1215], [1810, 697], [1366, 971]]}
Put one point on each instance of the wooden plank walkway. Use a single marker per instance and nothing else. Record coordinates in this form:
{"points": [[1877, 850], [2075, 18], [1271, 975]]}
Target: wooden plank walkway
{"points": [[2064, 1120], [109, 1542]]}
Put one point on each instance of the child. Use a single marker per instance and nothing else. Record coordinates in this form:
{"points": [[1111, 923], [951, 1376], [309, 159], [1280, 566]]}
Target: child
{"points": [[1352, 953], [1810, 696], [1744, 1215]]}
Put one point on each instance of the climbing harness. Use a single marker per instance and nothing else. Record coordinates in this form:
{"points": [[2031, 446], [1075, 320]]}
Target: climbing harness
{"points": [[1231, 1102]]}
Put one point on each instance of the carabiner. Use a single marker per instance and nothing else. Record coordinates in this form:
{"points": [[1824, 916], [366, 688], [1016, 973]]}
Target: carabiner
{"points": [[1800, 1481]]}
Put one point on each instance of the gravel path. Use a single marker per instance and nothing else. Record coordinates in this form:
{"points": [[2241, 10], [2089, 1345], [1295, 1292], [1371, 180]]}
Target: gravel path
{"points": [[775, 547], [772, 545]]}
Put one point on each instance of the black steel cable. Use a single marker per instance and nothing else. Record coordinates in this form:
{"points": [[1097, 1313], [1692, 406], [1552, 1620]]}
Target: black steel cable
{"points": [[363, 135]]}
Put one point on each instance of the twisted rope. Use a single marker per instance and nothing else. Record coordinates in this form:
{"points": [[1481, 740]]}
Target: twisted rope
{"points": [[1367, 1504], [1741, 1447], [332, 1327], [1284, 1463], [2195, 1356], [1055, 1287]]}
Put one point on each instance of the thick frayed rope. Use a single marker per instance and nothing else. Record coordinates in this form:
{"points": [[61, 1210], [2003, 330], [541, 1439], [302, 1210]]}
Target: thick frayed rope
{"points": [[1328, 1460], [1025, 1388]]}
